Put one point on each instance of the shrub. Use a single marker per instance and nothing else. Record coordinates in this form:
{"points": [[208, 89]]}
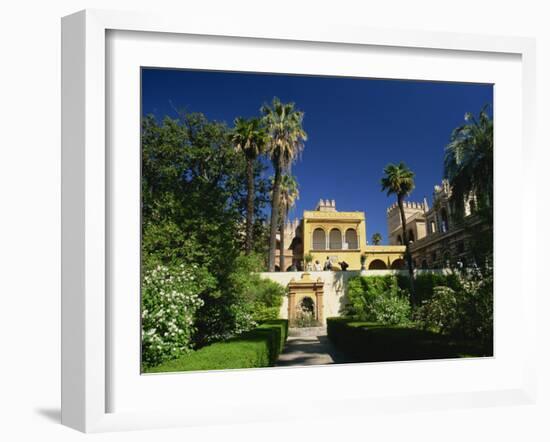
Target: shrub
{"points": [[256, 348], [228, 311], [476, 296], [465, 312], [305, 319], [377, 299], [440, 313], [170, 300], [392, 309], [372, 342], [265, 298]]}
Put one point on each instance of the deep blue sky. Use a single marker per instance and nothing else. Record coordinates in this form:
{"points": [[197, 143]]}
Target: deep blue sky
{"points": [[355, 127]]}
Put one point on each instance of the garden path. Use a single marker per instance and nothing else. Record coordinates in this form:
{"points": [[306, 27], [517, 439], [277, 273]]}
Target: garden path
{"points": [[310, 347]]}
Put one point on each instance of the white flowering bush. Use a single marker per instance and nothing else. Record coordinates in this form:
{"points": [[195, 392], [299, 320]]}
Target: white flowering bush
{"points": [[441, 313], [170, 300], [464, 312]]}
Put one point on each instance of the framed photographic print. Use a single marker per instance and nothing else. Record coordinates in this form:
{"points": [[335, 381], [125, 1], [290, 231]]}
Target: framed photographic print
{"points": [[254, 213]]}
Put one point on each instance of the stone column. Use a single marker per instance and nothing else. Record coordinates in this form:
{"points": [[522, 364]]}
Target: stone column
{"points": [[291, 305]]}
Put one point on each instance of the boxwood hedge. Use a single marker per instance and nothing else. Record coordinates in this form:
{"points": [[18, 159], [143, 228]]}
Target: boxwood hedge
{"points": [[372, 342], [259, 347]]}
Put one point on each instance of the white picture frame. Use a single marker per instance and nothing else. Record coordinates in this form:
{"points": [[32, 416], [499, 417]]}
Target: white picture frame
{"points": [[86, 205]]}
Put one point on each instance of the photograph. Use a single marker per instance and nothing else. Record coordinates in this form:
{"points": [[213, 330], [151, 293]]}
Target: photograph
{"points": [[303, 220]]}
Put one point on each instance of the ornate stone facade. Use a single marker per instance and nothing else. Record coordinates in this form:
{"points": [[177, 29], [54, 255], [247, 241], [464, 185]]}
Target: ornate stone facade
{"points": [[435, 240], [306, 294]]}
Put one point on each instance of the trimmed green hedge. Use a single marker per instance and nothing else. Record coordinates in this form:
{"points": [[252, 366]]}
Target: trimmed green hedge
{"points": [[257, 348], [372, 342]]}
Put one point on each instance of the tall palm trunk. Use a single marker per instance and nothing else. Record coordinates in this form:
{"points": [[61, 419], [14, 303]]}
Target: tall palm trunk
{"points": [[282, 243], [408, 256], [249, 205], [274, 216]]}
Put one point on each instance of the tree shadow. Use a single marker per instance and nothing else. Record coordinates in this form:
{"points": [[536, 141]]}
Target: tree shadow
{"points": [[340, 287], [312, 351]]}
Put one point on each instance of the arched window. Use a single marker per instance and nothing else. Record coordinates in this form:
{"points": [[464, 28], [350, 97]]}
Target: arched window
{"points": [[424, 264], [398, 264], [399, 240], [335, 239], [432, 226], [377, 264], [410, 237], [351, 239], [319, 239]]}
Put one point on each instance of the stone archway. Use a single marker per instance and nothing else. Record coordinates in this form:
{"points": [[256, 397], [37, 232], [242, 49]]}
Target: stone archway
{"points": [[377, 264], [305, 293], [398, 264]]}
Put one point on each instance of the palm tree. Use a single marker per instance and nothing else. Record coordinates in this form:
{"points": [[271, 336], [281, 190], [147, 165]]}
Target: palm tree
{"points": [[399, 180], [376, 238], [468, 163], [286, 142], [287, 199], [249, 137]]}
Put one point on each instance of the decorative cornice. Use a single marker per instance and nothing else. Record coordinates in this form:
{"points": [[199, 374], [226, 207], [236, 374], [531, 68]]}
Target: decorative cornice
{"points": [[332, 216]]}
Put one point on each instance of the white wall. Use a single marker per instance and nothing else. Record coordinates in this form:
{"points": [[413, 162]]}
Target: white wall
{"points": [[334, 288], [30, 216]]}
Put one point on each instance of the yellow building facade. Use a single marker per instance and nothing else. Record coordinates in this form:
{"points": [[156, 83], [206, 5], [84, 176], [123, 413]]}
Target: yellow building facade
{"points": [[342, 237]]}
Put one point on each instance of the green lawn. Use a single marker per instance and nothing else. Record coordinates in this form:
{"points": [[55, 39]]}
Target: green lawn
{"points": [[257, 348], [372, 342]]}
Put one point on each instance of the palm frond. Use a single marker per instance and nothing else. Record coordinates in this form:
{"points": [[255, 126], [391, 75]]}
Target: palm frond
{"points": [[468, 161]]}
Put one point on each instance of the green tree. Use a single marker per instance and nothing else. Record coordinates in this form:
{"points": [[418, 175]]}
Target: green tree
{"points": [[399, 181], [249, 138], [286, 142], [468, 163], [288, 196], [194, 201], [376, 238]]}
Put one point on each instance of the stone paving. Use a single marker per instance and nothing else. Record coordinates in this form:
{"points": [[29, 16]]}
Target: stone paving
{"points": [[310, 347]]}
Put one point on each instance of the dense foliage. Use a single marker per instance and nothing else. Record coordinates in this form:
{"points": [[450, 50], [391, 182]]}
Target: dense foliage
{"points": [[464, 311], [265, 298], [469, 164], [440, 312], [457, 304], [377, 299], [425, 282], [257, 348], [194, 193], [194, 206]]}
